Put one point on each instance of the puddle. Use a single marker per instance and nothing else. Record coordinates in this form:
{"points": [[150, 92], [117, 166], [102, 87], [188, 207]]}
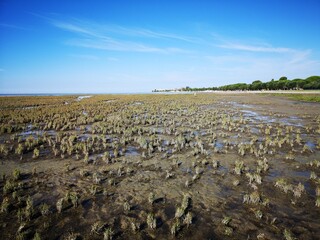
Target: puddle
{"points": [[85, 128], [199, 133], [88, 128], [51, 132], [297, 176], [87, 205], [157, 130], [30, 107], [36, 133], [239, 105], [311, 145], [29, 127], [136, 103], [169, 151], [31, 133], [291, 121], [219, 145], [131, 151], [186, 170], [169, 211], [257, 116], [274, 174], [223, 169], [45, 151], [82, 97], [254, 130], [165, 143], [96, 156], [84, 137], [109, 101]]}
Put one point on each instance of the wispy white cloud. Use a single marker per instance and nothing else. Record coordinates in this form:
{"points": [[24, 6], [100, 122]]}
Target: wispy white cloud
{"points": [[100, 30], [114, 45], [300, 56], [255, 48], [244, 66], [120, 38], [142, 32], [256, 45], [117, 38], [80, 29], [213, 56], [257, 59], [72, 28]]}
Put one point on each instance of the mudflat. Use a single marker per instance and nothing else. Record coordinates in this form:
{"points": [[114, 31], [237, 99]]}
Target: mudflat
{"points": [[159, 166]]}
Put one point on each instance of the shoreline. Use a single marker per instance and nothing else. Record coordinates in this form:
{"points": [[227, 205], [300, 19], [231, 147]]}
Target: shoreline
{"points": [[168, 92]]}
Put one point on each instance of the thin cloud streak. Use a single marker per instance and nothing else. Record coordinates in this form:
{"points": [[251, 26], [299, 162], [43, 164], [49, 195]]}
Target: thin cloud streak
{"points": [[114, 46], [123, 46], [100, 30], [72, 28], [259, 47], [78, 29], [253, 66], [243, 58], [253, 57], [98, 37], [253, 48], [141, 32], [109, 37]]}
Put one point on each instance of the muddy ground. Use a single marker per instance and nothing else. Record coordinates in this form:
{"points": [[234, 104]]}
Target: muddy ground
{"points": [[205, 166]]}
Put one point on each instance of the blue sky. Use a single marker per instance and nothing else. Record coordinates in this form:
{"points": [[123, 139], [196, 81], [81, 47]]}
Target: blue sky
{"points": [[136, 46]]}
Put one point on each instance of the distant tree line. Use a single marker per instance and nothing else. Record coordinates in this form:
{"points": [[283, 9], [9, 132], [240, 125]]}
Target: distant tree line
{"points": [[283, 83]]}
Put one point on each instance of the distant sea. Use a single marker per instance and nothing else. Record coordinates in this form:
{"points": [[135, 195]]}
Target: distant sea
{"points": [[64, 94], [84, 94], [36, 94]]}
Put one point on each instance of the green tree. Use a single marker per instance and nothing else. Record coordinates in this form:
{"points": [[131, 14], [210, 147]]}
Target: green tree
{"points": [[256, 85]]}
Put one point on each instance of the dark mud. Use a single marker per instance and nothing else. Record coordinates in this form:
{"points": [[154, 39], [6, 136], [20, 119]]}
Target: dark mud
{"points": [[247, 166]]}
